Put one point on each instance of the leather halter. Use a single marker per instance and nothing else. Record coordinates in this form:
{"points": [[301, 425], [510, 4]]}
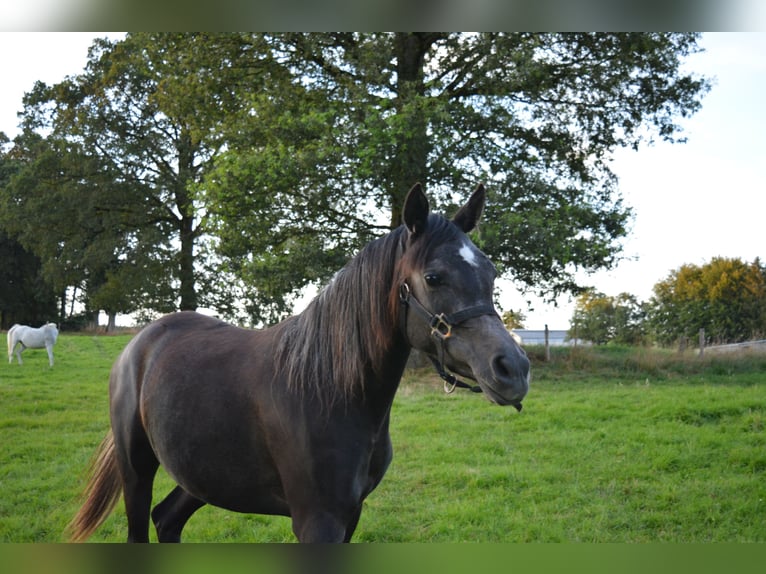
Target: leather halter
{"points": [[441, 326]]}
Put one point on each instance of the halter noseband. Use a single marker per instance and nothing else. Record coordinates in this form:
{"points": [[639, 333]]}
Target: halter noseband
{"points": [[441, 329]]}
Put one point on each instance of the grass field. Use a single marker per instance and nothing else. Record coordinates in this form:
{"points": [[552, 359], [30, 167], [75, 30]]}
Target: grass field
{"points": [[613, 445]]}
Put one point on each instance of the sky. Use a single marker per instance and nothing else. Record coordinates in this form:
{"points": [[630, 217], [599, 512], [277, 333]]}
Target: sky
{"points": [[691, 201]]}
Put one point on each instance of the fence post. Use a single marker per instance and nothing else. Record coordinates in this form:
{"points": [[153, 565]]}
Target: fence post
{"points": [[702, 341], [547, 345]]}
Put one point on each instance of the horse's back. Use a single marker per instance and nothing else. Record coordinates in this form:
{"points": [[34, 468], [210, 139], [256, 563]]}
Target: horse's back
{"points": [[35, 337], [189, 338], [175, 348]]}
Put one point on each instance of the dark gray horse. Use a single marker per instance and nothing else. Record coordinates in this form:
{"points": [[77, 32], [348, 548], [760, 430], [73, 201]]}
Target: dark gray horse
{"points": [[293, 420]]}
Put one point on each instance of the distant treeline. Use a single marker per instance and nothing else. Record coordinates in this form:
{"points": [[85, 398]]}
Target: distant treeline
{"points": [[726, 297]]}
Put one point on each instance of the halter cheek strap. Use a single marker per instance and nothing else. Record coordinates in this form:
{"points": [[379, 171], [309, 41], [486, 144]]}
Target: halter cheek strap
{"points": [[441, 329]]}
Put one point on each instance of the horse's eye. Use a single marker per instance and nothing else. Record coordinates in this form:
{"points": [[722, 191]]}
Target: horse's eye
{"points": [[433, 280]]}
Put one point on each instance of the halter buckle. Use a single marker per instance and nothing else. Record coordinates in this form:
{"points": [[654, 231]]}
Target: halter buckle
{"points": [[440, 327]]}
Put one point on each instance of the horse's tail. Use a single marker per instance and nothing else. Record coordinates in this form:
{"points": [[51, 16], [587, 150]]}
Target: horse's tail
{"points": [[101, 495], [11, 342]]}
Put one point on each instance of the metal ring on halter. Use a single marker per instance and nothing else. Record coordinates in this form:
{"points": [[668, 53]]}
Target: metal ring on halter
{"points": [[404, 293], [440, 327]]}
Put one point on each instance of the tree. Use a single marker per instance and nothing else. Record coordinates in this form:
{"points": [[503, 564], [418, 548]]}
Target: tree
{"points": [[603, 319], [76, 216], [630, 320], [123, 158], [726, 297], [536, 116], [514, 319], [593, 318], [25, 296], [263, 161]]}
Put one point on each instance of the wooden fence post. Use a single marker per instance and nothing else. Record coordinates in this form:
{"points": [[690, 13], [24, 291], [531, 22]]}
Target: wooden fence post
{"points": [[702, 341], [547, 345]]}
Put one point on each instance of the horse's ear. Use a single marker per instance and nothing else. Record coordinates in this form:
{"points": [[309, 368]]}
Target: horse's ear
{"points": [[415, 212], [468, 215]]}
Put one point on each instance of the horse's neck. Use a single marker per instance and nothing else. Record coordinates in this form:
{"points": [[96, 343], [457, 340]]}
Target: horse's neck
{"points": [[387, 376]]}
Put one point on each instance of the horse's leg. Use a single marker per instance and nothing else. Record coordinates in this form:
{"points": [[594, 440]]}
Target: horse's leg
{"points": [[137, 492], [351, 526], [20, 348], [49, 348], [170, 515], [319, 527], [138, 465]]}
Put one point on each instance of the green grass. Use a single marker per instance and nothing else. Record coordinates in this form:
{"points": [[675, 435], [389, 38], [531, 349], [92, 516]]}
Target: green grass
{"points": [[613, 445]]}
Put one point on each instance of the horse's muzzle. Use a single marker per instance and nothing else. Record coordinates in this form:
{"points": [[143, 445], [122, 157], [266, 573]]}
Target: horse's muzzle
{"points": [[509, 381]]}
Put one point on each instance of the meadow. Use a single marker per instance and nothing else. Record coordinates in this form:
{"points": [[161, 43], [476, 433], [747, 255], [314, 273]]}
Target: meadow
{"points": [[613, 445]]}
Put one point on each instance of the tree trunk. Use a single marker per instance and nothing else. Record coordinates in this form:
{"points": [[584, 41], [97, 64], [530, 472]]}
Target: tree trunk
{"points": [[411, 156], [74, 299], [188, 291], [187, 232], [62, 307]]}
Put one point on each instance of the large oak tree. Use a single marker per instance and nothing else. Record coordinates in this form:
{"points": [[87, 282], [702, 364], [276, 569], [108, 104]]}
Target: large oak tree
{"points": [[534, 116]]}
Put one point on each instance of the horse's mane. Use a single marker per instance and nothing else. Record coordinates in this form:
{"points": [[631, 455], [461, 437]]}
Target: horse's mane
{"points": [[343, 335]]}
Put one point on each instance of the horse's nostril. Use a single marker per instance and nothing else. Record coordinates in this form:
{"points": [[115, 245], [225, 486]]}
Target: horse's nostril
{"points": [[500, 368], [509, 372]]}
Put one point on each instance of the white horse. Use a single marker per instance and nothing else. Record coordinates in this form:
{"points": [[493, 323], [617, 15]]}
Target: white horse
{"points": [[21, 337]]}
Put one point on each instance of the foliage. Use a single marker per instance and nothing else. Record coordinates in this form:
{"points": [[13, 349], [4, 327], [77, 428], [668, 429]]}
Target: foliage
{"points": [[536, 116], [514, 319], [601, 319], [114, 176], [77, 217], [25, 296], [726, 297], [251, 165]]}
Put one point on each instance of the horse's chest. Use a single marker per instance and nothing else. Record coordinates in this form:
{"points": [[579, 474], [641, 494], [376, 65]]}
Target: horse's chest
{"points": [[349, 455]]}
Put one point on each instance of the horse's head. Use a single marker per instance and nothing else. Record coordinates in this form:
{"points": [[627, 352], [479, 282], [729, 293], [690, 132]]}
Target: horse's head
{"points": [[445, 285]]}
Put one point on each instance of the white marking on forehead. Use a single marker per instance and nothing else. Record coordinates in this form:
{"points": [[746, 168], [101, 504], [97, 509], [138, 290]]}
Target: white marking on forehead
{"points": [[468, 253]]}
